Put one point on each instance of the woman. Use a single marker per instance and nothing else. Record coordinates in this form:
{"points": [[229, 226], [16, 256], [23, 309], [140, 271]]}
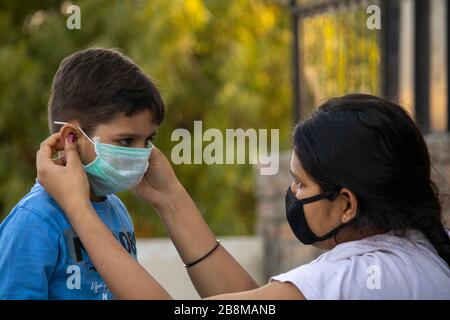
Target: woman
{"points": [[361, 190]]}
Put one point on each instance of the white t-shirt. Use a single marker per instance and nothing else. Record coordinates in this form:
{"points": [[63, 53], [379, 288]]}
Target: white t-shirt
{"points": [[383, 266]]}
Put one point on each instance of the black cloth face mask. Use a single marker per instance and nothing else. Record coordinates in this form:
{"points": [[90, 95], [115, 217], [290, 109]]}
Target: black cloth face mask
{"points": [[296, 216]]}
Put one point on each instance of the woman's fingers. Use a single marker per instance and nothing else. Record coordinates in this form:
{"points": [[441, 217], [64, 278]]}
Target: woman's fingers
{"points": [[46, 150], [52, 144], [71, 151], [64, 178], [61, 161]]}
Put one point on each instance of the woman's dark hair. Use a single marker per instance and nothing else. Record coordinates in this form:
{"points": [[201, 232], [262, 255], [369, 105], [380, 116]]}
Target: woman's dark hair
{"points": [[372, 147]]}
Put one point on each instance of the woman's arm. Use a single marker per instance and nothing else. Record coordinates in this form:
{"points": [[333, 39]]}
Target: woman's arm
{"points": [[127, 279], [218, 273], [274, 290], [69, 187]]}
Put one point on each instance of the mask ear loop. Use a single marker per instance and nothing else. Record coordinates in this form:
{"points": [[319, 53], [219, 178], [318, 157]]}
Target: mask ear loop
{"points": [[334, 196], [335, 240], [63, 123]]}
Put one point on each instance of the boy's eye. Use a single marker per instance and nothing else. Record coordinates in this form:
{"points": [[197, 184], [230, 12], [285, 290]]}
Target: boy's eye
{"points": [[126, 142], [149, 141]]}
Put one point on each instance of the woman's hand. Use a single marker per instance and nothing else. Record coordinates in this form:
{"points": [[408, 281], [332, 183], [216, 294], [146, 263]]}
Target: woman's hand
{"points": [[159, 183], [67, 184]]}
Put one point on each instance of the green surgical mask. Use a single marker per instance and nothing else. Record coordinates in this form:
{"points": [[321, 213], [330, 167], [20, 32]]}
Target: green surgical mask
{"points": [[115, 168]]}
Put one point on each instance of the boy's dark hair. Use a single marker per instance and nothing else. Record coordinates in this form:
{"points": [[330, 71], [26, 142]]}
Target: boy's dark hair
{"points": [[94, 85]]}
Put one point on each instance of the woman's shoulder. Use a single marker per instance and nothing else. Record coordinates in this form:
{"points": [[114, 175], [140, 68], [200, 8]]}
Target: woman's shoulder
{"points": [[379, 267], [408, 242]]}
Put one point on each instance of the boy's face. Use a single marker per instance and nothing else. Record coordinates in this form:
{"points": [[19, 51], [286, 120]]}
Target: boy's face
{"points": [[124, 131]]}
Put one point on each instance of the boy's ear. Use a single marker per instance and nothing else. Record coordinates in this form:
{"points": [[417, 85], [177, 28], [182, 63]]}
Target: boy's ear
{"points": [[66, 130]]}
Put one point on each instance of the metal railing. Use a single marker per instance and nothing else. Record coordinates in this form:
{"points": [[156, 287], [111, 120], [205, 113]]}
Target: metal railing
{"points": [[334, 52]]}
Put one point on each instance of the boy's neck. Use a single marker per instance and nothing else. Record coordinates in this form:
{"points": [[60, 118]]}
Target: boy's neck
{"points": [[95, 198]]}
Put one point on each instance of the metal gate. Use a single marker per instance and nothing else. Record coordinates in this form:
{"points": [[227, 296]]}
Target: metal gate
{"points": [[336, 52]]}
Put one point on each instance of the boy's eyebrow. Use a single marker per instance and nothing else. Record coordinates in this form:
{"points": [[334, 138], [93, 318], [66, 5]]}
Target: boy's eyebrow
{"points": [[130, 135]]}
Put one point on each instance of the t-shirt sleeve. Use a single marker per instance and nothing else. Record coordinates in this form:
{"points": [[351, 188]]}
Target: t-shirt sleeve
{"points": [[320, 280], [122, 211], [28, 255], [126, 231]]}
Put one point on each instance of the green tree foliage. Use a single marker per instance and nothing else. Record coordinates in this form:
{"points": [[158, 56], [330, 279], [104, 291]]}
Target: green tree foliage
{"points": [[339, 55], [226, 63]]}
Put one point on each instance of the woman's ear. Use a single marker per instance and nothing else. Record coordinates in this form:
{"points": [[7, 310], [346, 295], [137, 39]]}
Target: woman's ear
{"points": [[349, 205]]}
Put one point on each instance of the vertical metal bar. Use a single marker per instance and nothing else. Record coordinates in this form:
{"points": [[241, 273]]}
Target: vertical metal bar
{"points": [[295, 62], [390, 30], [448, 67], [422, 64]]}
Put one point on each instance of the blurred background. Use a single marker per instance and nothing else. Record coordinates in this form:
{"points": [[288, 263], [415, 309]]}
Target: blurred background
{"points": [[261, 64], [223, 62]]}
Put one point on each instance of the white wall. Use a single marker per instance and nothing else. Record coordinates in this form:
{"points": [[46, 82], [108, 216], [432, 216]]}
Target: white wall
{"points": [[160, 258]]}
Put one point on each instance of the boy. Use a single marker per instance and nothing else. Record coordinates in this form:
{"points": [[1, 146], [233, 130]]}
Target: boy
{"points": [[106, 101]]}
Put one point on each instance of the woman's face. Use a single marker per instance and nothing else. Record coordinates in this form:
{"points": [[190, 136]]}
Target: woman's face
{"points": [[323, 215]]}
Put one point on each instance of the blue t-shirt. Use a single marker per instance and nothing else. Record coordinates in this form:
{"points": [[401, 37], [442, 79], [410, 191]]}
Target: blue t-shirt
{"points": [[41, 257]]}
